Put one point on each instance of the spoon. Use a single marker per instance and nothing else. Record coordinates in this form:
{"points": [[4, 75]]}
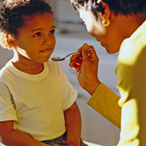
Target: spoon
{"points": [[61, 59]]}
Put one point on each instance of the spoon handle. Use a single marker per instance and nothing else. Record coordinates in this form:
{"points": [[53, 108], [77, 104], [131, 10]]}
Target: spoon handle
{"points": [[73, 54]]}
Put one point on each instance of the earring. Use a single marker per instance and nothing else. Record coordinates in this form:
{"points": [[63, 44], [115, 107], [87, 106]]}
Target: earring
{"points": [[105, 22]]}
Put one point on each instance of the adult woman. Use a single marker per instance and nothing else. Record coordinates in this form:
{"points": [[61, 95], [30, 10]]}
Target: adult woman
{"points": [[119, 25]]}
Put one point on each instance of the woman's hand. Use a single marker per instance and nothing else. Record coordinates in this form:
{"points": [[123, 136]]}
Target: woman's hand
{"points": [[86, 66]]}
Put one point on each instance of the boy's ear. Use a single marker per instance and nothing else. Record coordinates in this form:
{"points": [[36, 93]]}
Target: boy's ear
{"points": [[10, 41]]}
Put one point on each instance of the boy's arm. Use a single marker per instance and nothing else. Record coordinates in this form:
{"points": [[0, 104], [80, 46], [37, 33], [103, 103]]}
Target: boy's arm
{"points": [[13, 137], [73, 125]]}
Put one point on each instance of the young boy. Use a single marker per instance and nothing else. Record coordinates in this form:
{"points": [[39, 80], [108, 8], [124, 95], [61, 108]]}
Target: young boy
{"points": [[37, 102]]}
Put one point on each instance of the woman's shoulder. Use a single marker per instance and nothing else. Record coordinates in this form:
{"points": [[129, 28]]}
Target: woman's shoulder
{"points": [[134, 47]]}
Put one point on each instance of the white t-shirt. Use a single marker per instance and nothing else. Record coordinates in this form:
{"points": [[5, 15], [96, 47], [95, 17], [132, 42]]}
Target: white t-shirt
{"points": [[36, 102]]}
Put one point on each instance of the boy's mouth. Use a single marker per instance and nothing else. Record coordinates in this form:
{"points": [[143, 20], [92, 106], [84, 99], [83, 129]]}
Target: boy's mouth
{"points": [[46, 50]]}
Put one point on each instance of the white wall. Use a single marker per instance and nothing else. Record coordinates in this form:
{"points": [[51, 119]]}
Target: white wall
{"points": [[64, 12]]}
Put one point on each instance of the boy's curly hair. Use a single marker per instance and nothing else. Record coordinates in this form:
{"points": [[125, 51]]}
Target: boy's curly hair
{"points": [[13, 11]]}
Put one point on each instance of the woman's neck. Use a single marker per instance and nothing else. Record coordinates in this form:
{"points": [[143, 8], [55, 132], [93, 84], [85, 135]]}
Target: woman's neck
{"points": [[133, 22]]}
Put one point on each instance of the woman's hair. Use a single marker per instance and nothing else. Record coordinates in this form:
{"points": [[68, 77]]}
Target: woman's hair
{"points": [[12, 15], [125, 7], [13, 11]]}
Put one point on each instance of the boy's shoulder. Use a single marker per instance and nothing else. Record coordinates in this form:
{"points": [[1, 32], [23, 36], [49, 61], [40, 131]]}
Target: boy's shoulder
{"points": [[5, 68], [53, 65]]}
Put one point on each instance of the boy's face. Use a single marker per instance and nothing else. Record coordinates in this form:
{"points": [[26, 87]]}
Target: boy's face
{"points": [[36, 40]]}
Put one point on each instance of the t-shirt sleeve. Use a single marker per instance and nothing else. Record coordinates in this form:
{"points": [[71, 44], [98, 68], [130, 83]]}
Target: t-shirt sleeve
{"points": [[7, 108]]}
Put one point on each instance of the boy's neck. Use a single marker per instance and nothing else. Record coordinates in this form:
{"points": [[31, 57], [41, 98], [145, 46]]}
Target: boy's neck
{"points": [[26, 65]]}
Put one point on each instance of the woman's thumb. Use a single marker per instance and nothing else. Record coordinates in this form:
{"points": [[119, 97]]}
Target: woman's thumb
{"points": [[85, 48]]}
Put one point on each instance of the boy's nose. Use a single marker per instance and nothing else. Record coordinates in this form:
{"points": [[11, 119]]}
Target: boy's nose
{"points": [[49, 40]]}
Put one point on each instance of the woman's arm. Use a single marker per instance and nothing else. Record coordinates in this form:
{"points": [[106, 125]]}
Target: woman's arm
{"points": [[105, 102], [13, 137], [73, 125]]}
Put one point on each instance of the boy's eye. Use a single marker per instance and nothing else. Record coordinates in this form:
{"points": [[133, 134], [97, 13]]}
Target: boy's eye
{"points": [[37, 34], [52, 31]]}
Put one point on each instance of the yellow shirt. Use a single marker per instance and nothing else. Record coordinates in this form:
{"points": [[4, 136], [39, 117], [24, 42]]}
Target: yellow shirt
{"points": [[129, 111]]}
